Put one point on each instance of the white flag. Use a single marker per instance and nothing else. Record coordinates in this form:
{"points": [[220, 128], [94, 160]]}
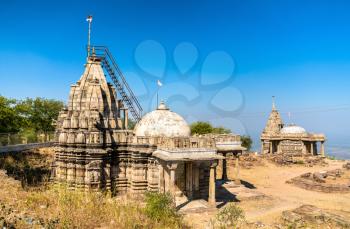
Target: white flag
{"points": [[89, 18], [159, 83]]}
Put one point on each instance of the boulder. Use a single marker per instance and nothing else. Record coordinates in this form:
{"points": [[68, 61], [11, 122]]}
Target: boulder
{"points": [[319, 177], [347, 165]]}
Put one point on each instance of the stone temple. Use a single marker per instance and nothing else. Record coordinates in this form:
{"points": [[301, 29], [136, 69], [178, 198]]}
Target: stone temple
{"points": [[278, 138], [96, 150]]}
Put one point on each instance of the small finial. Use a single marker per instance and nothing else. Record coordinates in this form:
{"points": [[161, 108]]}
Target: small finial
{"points": [[162, 106], [289, 116], [273, 103]]}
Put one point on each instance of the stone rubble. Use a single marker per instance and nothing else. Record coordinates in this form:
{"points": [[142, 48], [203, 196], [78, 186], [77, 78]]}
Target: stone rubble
{"points": [[309, 215], [317, 181]]}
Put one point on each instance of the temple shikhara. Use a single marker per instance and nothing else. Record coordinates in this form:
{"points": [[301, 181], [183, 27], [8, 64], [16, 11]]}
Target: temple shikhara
{"points": [[278, 138], [96, 150]]}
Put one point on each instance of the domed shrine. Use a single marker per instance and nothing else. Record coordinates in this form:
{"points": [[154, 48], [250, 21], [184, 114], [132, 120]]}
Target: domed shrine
{"points": [[96, 150], [162, 122], [277, 138]]}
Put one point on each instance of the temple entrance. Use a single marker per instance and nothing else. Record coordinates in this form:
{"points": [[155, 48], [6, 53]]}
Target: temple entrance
{"points": [[192, 180], [188, 180]]}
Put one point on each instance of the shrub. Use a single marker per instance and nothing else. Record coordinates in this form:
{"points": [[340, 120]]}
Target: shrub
{"points": [[300, 162], [231, 216], [161, 208], [247, 141], [331, 157]]}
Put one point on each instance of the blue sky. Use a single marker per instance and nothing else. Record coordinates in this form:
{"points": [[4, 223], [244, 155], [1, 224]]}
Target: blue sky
{"points": [[298, 51]]}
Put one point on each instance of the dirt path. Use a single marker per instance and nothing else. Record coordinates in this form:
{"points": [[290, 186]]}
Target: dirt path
{"points": [[271, 180]]}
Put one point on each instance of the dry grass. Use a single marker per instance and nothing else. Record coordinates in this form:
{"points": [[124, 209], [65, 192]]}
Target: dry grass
{"points": [[61, 208], [26, 201]]}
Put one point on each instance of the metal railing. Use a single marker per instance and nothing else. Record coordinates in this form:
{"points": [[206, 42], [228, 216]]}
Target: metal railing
{"points": [[7, 139], [123, 88]]}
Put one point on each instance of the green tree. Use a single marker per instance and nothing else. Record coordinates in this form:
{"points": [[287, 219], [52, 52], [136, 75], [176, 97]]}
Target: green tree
{"points": [[201, 128], [247, 141], [39, 113], [10, 121], [131, 124], [221, 130], [207, 128]]}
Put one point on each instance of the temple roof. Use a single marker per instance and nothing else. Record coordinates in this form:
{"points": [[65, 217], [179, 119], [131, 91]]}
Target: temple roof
{"points": [[230, 146], [92, 92], [162, 123], [293, 129], [187, 154], [274, 123]]}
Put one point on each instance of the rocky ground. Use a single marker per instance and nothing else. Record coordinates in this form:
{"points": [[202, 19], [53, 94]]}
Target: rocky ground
{"points": [[331, 181], [20, 174], [309, 214], [270, 202]]}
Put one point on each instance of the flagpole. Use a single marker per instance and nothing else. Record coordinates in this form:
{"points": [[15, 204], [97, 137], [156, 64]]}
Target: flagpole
{"points": [[159, 84], [89, 33]]}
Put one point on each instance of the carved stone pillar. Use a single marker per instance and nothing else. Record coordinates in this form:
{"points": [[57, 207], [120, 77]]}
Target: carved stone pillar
{"points": [[315, 148], [107, 177], [271, 148], [220, 170], [279, 147], [138, 172], [211, 198], [126, 118], [224, 168], [80, 175], [322, 149], [189, 180], [196, 177], [161, 179], [63, 170], [172, 167], [303, 150], [237, 180], [71, 173], [312, 148]]}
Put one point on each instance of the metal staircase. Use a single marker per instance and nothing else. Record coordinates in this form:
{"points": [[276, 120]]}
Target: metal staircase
{"points": [[123, 89]]}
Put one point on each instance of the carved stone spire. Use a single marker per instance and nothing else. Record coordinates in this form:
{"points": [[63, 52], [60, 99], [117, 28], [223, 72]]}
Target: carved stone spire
{"points": [[92, 108], [274, 123]]}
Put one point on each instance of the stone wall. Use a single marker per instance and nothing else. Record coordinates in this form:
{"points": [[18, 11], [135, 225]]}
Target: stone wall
{"points": [[120, 170]]}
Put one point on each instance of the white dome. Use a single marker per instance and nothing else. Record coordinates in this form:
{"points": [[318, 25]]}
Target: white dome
{"points": [[293, 129], [162, 123]]}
